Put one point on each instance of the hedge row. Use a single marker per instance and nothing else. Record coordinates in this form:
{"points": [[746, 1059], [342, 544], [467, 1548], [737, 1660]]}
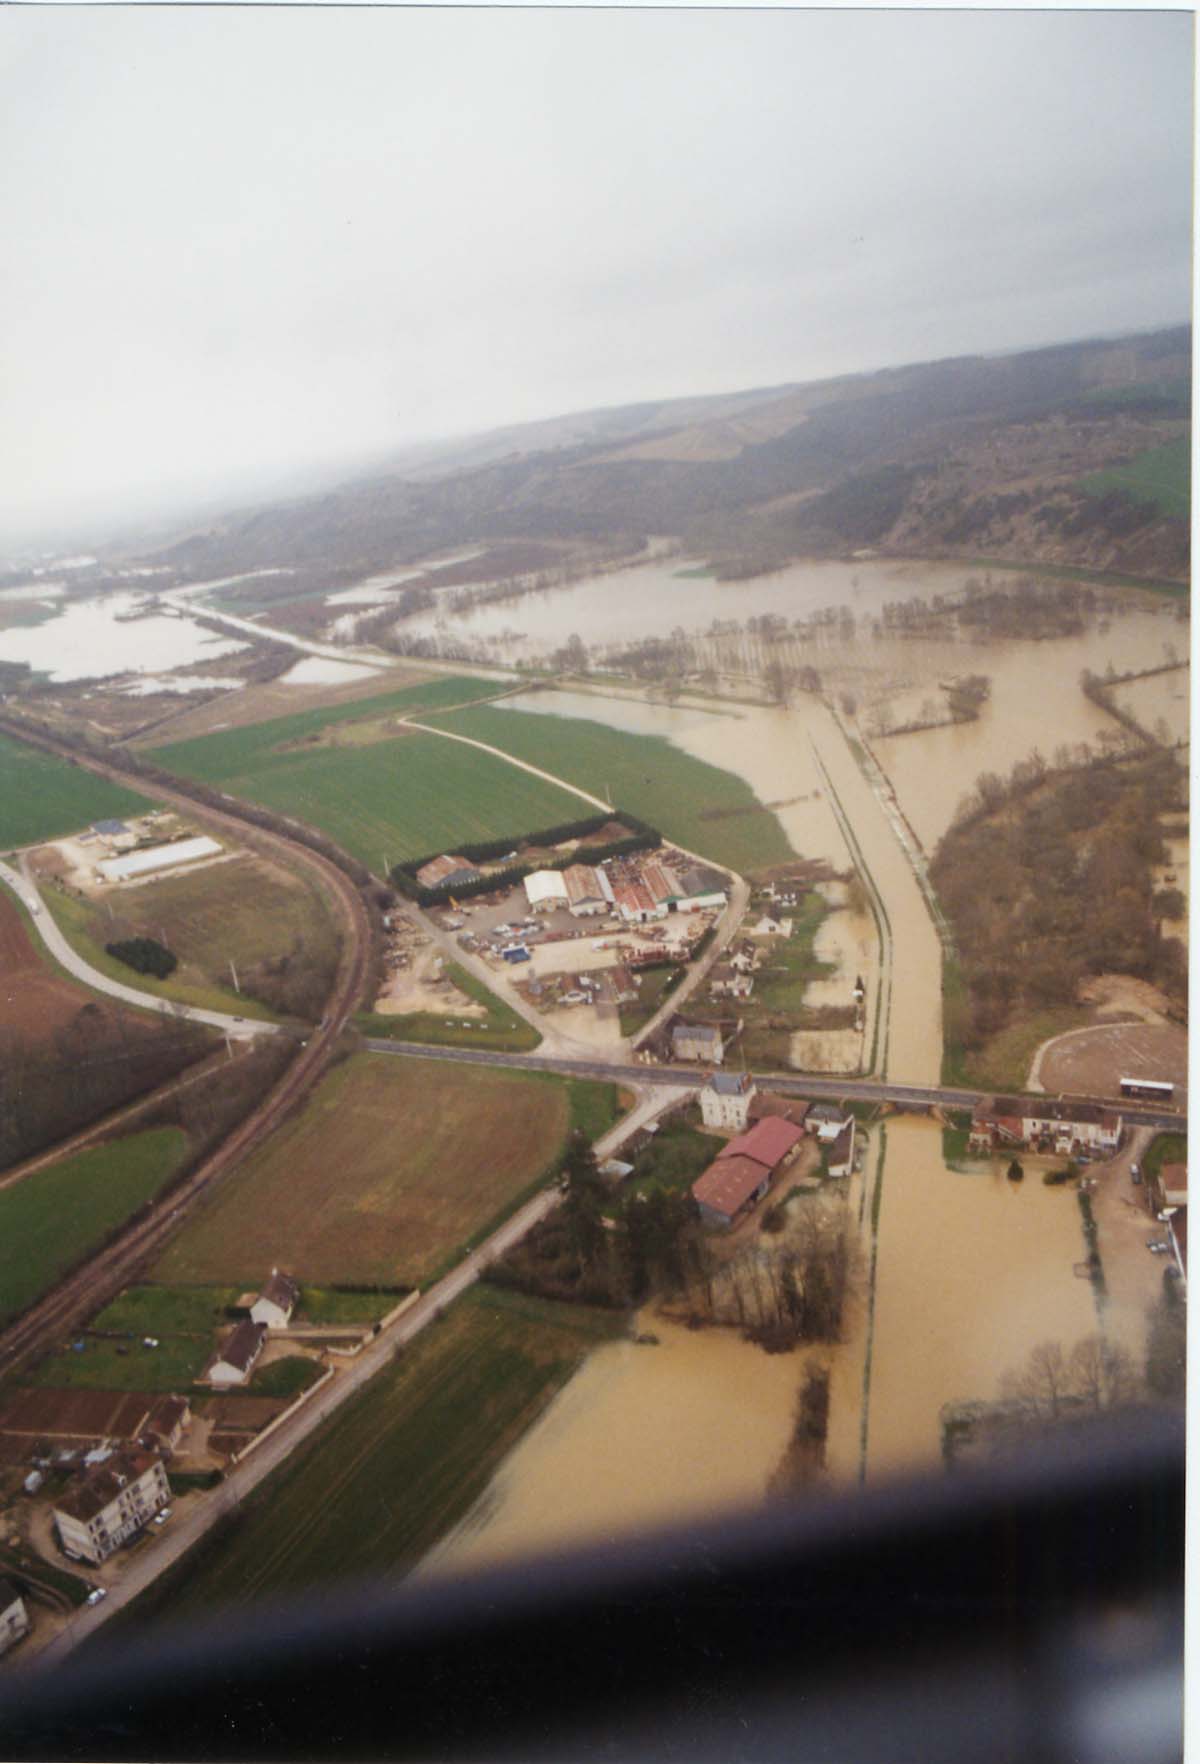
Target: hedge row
{"points": [[642, 837]]}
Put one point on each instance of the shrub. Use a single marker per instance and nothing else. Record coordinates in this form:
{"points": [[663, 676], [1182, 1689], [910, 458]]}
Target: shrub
{"points": [[145, 955]]}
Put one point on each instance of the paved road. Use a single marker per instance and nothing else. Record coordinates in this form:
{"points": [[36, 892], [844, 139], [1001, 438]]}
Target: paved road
{"points": [[163, 1548], [367, 659], [835, 1089], [26, 891]]}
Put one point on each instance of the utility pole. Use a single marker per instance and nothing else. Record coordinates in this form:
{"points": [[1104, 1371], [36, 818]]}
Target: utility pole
{"points": [[233, 971]]}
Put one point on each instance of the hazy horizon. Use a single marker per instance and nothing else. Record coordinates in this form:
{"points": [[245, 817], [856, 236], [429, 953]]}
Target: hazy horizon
{"points": [[249, 249]]}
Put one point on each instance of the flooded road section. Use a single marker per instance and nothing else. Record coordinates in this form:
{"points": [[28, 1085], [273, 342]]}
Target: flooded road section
{"points": [[641, 1437], [1036, 702], [797, 762]]}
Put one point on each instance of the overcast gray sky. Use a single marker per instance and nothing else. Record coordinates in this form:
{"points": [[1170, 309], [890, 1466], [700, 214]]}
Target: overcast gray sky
{"points": [[235, 239]]}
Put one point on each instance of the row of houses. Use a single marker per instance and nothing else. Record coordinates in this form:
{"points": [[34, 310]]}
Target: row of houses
{"points": [[1068, 1129]]}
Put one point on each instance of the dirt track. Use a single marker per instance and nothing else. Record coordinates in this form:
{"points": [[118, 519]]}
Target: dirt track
{"points": [[104, 1274]]}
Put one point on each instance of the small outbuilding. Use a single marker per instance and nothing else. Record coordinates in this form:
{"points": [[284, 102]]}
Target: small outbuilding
{"points": [[276, 1302], [233, 1362]]}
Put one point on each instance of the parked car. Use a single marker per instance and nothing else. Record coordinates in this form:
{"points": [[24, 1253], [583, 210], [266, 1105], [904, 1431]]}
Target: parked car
{"points": [[97, 1593], [1158, 1248]]}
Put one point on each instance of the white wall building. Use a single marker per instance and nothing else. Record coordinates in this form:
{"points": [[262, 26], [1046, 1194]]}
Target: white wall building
{"points": [[158, 857], [545, 890], [725, 1100], [14, 1618], [110, 1503]]}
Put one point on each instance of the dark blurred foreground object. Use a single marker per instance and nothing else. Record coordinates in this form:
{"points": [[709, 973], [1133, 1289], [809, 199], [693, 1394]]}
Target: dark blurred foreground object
{"points": [[1030, 1612]]}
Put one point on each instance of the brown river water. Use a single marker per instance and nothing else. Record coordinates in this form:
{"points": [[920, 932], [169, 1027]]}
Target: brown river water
{"points": [[970, 1272]]}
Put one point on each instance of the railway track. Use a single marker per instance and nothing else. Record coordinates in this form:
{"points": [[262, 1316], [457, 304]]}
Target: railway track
{"points": [[103, 1274]]}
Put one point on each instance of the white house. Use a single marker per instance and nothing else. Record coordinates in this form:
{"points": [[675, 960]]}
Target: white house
{"points": [[233, 1362], [110, 1503], [276, 1302], [14, 1618], [828, 1121], [545, 890], [725, 1100]]}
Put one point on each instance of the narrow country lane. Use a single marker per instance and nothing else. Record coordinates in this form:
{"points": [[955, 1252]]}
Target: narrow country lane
{"points": [[26, 891]]}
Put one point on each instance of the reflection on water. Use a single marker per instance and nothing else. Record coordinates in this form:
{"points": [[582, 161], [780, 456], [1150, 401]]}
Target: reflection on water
{"points": [[1036, 702], [89, 639], [652, 599]]}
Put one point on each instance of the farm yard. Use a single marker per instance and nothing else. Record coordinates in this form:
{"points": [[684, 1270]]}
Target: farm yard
{"points": [[380, 794], [271, 923], [393, 1166], [53, 1219], [413, 1452], [699, 806], [67, 1056], [42, 796]]}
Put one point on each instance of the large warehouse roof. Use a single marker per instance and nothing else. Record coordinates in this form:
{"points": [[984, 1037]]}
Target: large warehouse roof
{"points": [[158, 857]]}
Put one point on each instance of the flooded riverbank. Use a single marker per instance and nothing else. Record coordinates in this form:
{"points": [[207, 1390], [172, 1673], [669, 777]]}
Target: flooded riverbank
{"points": [[91, 639], [641, 1437]]}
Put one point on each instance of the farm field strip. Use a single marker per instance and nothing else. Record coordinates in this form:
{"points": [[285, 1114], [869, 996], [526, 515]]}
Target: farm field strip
{"points": [[391, 1169], [702, 807], [50, 1222], [42, 796], [393, 799]]}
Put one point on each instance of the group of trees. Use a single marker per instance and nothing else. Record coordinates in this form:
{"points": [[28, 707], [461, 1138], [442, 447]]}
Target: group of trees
{"points": [[1049, 879], [653, 1242], [145, 955]]}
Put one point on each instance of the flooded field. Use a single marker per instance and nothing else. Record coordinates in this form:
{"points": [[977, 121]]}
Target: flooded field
{"points": [[1036, 702], [652, 599], [641, 1437], [89, 639]]}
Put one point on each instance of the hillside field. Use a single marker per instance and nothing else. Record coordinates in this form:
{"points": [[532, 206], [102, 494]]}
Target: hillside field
{"points": [[389, 1171], [51, 1220], [382, 799], [1161, 476], [644, 773], [410, 1455], [42, 796]]}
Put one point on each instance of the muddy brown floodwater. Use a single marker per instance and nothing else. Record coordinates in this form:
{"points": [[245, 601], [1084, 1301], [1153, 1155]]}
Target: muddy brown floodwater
{"points": [[641, 1437], [971, 1272]]}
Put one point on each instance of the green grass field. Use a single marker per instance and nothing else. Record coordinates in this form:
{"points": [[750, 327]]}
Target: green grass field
{"points": [[51, 1220], [1161, 476], [397, 1467], [382, 801], [42, 797], [388, 1174], [703, 808], [501, 1031], [272, 924]]}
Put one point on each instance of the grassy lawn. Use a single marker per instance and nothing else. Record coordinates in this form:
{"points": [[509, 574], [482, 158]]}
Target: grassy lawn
{"points": [[272, 924], [168, 1310], [393, 1167], [42, 796], [386, 798], [594, 1105], [656, 983], [396, 1468], [789, 963], [1003, 1062], [174, 1365], [324, 1304], [501, 1031], [52, 1220], [703, 808], [674, 1157], [286, 1377], [1161, 476], [1165, 1148]]}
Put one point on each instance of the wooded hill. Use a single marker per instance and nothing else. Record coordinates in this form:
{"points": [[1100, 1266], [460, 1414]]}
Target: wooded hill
{"points": [[986, 456]]}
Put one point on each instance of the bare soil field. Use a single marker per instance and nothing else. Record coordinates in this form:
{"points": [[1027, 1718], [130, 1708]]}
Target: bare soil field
{"points": [[1092, 1062], [260, 703], [34, 1000], [391, 1166]]}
